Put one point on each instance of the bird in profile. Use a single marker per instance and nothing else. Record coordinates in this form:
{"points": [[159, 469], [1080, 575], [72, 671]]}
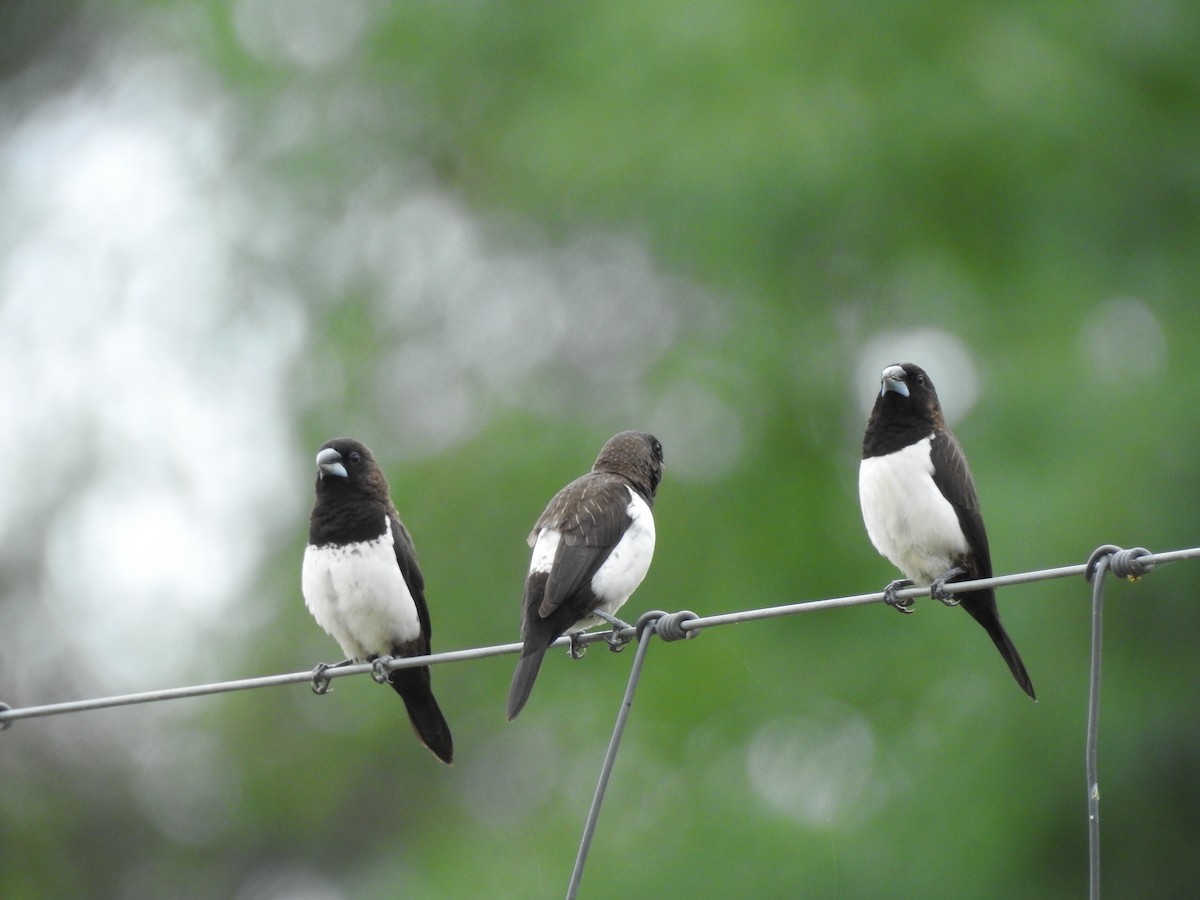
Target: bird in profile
{"points": [[591, 549], [361, 582], [920, 506]]}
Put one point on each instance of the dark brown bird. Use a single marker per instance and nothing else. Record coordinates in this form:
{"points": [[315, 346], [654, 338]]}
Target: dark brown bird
{"points": [[591, 549]]}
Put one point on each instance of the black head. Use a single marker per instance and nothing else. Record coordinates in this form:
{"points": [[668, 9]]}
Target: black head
{"points": [[636, 456], [347, 468], [906, 410]]}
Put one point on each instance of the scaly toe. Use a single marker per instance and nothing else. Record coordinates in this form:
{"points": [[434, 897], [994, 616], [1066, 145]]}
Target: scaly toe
{"points": [[379, 669], [577, 648], [938, 590], [907, 605], [320, 681], [615, 642]]}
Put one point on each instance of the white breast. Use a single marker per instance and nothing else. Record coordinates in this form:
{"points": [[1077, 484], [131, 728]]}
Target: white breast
{"points": [[621, 573], [357, 594], [907, 518]]}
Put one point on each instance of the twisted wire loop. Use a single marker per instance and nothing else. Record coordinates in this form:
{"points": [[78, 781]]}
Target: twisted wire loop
{"points": [[1129, 565], [647, 619], [668, 626]]}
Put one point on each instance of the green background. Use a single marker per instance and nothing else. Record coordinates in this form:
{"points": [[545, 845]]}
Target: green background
{"points": [[496, 233]]}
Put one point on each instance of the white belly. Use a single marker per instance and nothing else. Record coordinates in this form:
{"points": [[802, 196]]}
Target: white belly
{"points": [[357, 594], [621, 573], [907, 518]]}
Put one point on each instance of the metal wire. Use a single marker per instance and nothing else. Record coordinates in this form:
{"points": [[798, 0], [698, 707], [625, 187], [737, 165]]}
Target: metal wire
{"points": [[645, 627], [1093, 729], [1130, 564], [9, 715]]}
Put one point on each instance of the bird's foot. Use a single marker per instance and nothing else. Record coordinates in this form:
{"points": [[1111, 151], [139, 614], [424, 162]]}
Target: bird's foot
{"points": [[937, 587], [889, 596], [320, 681], [616, 643], [379, 669], [577, 648]]}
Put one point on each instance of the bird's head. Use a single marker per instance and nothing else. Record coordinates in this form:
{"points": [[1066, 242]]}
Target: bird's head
{"points": [[345, 465], [635, 455], [910, 391]]}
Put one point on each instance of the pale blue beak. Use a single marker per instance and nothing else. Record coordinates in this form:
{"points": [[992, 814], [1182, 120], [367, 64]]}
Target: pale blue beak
{"points": [[329, 462], [893, 380]]}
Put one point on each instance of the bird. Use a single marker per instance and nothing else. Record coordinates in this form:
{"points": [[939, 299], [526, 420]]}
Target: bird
{"points": [[592, 547], [361, 582], [920, 505]]}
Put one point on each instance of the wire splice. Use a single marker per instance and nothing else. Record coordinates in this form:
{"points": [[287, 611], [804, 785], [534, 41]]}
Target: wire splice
{"points": [[1129, 565], [670, 626]]}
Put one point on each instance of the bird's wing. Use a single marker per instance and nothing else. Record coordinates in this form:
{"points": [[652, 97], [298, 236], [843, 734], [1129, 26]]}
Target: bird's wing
{"points": [[406, 559], [953, 478], [590, 515]]}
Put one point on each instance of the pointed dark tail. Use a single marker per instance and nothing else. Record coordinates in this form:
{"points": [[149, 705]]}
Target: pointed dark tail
{"points": [[982, 607], [523, 678], [414, 688]]}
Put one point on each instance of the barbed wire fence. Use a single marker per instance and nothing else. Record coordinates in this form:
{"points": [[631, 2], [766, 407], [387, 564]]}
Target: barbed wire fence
{"points": [[1107, 559]]}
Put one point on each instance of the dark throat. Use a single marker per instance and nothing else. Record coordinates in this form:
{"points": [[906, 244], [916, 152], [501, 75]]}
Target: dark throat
{"points": [[339, 518]]}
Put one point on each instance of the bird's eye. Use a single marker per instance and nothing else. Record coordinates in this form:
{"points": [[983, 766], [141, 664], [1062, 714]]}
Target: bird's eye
{"points": [[920, 379], [355, 457]]}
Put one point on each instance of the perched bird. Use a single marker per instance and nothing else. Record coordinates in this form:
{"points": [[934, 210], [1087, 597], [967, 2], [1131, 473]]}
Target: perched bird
{"points": [[920, 506], [591, 549], [361, 582]]}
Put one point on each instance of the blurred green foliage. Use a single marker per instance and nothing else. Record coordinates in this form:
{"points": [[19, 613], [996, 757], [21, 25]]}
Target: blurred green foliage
{"points": [[831, 173]]}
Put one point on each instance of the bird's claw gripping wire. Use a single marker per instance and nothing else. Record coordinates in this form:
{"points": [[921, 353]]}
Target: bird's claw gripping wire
{"points": [[577, 647], [937, 587], [320, 681], [615, 642], [1126, 564], [889, 596], [379, 669], [668, 626], [7, 723]]}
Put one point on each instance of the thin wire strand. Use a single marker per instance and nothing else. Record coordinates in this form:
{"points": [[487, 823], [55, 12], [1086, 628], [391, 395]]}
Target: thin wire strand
{"points": [[610, 758], [8, 716], [1093, 731]]}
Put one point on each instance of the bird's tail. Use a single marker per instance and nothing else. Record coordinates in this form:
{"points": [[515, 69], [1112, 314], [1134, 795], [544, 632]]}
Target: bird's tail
{"points": [[523, 677], [414, 687], [982, 607]]}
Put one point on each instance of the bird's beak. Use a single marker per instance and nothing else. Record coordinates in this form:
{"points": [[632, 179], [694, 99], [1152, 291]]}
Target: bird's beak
{"points": [[893, 380], [329, 462]]}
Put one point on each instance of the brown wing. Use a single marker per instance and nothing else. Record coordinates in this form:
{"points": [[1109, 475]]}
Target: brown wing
{"points": [[590, 514]]}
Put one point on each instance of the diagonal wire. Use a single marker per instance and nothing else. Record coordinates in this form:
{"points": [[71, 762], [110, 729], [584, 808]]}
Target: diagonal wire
{"points": [[645, 628], [8, 714]]}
